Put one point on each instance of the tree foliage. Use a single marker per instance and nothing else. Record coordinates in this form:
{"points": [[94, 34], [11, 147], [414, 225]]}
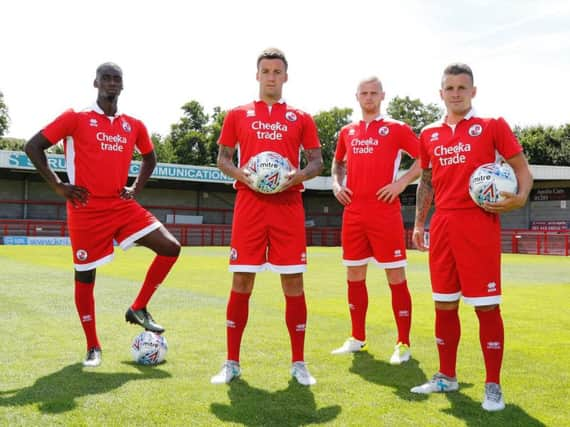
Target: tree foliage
{"points": [[329, 123], [12, 144], [188, 139], [414, 113], [546, 145], [4, 117]]}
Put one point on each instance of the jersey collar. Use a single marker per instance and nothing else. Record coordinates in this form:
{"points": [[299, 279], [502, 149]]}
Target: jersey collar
{"points": [[95, 107], [281, 101], [470, 114]]}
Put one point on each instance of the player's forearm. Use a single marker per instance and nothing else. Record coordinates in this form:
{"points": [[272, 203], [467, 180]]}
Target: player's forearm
{"points": [[411, 175], [424, 198], [147, 167], [35, 149], [338, 172], [524, 176], [314, 164]]}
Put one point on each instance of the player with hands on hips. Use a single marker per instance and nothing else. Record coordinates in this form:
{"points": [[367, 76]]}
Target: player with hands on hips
{"points": [[99, 143]]}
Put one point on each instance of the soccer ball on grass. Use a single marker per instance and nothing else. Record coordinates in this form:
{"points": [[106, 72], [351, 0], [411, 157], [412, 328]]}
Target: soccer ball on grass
{"points": [[149, 348]]}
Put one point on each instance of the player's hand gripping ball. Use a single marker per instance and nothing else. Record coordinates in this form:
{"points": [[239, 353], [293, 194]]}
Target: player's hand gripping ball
{"points": [[268, 171], [149, 348], [489, 179]]}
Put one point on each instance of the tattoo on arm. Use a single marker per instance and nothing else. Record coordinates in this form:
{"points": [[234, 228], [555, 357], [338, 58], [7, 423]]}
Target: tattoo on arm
{"points": [[424, 197], [314, 163], [225, 160], [338, 171]]}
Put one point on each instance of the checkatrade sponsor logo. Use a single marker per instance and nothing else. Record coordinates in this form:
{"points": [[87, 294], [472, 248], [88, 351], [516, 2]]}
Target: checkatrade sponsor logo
{"points": [[269, 131]]}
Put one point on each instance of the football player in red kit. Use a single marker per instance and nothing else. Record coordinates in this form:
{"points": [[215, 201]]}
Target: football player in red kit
{"points": [[268, 230], [368, 156], [465, 240], [99, 143]]}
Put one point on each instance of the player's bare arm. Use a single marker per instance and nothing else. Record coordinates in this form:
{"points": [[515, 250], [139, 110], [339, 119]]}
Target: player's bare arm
{"points": [[226, 164], [147, 167], [424, 198], [313, 168], [338, 173], [35, 149], [513, 201], [390, 192]]}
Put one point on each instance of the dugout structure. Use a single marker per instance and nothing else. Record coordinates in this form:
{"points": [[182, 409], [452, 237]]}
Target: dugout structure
{"points": [[196, 204]]}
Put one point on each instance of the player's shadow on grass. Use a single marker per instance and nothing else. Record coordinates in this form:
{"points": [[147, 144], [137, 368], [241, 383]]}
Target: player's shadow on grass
{"points": [[292, 407], [401, 378], [470, 411], [56, 393]]}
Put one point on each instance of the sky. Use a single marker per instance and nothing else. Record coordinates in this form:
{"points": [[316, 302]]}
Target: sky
{"points": [[175, 51]]}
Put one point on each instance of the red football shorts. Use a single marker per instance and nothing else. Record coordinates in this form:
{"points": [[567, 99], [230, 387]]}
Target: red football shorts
{"points": [[465, 256], [92, 229], [268, 232], [371, 231]]}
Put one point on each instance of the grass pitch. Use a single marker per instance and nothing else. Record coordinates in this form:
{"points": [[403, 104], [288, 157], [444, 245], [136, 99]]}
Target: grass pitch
{"points": [[42, 381]]}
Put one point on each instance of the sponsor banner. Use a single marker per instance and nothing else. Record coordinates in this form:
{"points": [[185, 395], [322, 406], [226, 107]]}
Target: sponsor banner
{"points": [[550, 225], [41, 241], [546, 194], [19, 160]]}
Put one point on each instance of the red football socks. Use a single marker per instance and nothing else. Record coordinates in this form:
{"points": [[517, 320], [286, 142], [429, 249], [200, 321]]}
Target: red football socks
{"points": [[358, 305], [402, 308], [85, 304], [296, 319], [155, 275], [237, 312], [447, 334], [492, 338]]}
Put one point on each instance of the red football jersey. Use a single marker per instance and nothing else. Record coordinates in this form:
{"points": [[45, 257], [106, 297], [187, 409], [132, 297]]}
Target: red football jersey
{"points": [[254, 128], [373, 154], [98, 149], [453, 153]]}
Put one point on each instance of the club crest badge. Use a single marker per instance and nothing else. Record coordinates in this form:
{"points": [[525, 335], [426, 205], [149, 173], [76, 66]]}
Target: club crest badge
{"points": [[126, 126], [81, 254], [475, 130], [291, 116], [383, 131]]}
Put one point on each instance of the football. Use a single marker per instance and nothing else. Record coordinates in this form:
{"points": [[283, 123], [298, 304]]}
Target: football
{"points": [[149, 348], [489, 180], [268, 171]]}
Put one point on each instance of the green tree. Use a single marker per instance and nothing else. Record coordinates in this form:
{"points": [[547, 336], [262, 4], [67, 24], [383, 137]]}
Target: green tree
{"points": [[12, 144], [188, 139], [214, 130], [545, 145], [329, 123], [414, 113], [164, 151], [4, 117]]}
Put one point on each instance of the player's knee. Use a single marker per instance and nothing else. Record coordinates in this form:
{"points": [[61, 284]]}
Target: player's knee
{"points": [[174, 248], [86, 277]]}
